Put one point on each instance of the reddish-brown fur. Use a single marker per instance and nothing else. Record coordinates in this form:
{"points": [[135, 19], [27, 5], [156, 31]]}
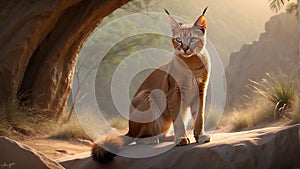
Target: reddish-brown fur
{"points": [[183, 82]]}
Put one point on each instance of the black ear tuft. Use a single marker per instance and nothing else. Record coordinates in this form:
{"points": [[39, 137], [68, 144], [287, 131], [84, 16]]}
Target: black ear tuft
{"points": [[174, 24], [203, 13], [167, 11], [203, 30]]}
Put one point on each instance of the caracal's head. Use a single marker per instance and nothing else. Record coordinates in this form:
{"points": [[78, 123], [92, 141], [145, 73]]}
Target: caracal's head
{"points": [[188, 39]]}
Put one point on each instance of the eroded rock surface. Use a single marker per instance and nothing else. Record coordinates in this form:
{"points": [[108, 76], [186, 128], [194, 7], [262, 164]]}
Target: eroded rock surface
{"points": [[17, 156], [268, 148]]}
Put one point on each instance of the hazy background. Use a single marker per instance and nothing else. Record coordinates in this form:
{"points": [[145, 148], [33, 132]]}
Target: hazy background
{"points": [[231, 23]]}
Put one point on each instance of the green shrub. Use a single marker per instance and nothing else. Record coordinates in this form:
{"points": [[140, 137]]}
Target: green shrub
{"points": [[275, 98], [280, 90]]}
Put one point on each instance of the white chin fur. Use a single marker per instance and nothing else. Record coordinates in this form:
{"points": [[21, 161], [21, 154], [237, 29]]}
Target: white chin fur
{"points": [[183, 54], [187, 56]]}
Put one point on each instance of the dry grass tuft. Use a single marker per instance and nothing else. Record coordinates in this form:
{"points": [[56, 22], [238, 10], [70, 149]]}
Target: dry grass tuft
{"points": [[70, 129], [274, 99], [17, 119], [259, 112], [280, 90], [293, 114], [118, 123]]}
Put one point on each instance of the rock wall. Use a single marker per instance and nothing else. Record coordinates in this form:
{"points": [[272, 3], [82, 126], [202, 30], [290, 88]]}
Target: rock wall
{"points": [[274, 52], [39, 43]]}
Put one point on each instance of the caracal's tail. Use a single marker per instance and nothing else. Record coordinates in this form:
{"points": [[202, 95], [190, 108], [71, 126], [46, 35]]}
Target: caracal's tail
{"points": [[105, 150]]}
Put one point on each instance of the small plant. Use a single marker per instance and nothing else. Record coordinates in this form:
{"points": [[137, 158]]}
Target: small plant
{"points": [[18, 119], [71, 129], [259, 111], [68, 126], [275, 98], [280, 90], [118, 123], [240, 121], [294, 114]]}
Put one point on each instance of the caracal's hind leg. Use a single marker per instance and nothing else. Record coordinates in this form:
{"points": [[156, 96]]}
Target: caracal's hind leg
{"points": [[199, 132], [177, 110], [147, 140], [158, 130], [146, 121]]}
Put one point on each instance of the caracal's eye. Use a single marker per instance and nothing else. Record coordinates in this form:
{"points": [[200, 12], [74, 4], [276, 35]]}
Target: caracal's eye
{"points": [[194, 39], [178, 40]]}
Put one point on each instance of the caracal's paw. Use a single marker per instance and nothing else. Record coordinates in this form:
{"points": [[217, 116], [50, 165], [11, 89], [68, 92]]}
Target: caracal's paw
{"points": [[203, 138], [182, 141], [147, 140]]}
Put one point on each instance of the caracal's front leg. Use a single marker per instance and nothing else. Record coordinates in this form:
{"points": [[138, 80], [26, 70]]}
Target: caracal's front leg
{"points": [[177, 110], [181, 138], [199, 133]]}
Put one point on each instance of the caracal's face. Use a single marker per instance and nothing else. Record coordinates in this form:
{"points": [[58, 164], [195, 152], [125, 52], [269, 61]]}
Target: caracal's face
{"points": [[188, 40]]}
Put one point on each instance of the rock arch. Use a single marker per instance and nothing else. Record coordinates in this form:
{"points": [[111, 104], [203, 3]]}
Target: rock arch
{"points": [[39, 44]]}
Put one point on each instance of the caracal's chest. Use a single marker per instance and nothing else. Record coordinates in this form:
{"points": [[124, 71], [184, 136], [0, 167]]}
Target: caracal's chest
{"points": [[190, 73]]}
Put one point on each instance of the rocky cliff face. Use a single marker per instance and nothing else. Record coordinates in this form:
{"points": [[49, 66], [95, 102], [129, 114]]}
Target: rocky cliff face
{"points": [[274, 52], [39, 43]]}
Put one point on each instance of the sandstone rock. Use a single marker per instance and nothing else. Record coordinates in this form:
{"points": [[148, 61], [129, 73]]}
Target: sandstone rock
{"points": [[268, 148], [17, 156], [39, 43], [274, 52]]}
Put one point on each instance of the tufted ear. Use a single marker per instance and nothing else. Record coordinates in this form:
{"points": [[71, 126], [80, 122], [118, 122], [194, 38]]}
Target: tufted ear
{"points": [[174, 24], [201, 21]]}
